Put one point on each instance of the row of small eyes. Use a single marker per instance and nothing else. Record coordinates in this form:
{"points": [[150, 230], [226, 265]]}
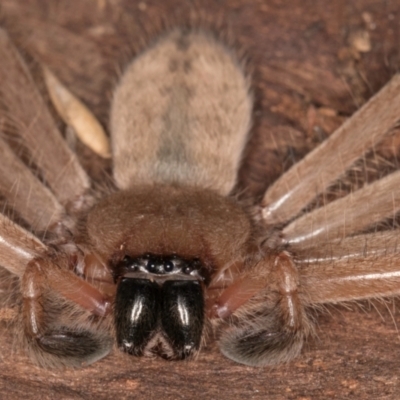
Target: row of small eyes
{"points": [[160, 265]]}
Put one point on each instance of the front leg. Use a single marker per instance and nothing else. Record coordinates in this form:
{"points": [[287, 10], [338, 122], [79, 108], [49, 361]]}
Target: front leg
{"points": [[270, 327]]}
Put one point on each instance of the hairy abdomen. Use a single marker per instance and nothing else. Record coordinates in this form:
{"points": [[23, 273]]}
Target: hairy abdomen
{"points": [[181, 114]]}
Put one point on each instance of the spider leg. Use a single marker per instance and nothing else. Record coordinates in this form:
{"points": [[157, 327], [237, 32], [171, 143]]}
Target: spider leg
{"points": [[271, 326], [63, 316], [385, 242], [320, 168], [356, 268], [17, 247], [348, 215], [97, 273], [28, 196], [38, 131]]}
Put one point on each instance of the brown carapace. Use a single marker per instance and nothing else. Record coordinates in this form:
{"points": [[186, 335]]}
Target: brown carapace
{"points": [[170, 257]]}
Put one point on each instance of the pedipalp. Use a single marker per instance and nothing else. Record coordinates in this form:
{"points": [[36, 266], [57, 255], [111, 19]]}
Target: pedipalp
{"points": [[72, 337], [272, 326]]}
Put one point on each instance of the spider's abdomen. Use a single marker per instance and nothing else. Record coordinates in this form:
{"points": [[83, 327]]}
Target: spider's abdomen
{"points": [[181, 114]]}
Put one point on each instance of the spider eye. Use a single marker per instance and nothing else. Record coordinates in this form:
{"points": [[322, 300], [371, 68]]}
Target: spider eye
{"points": [[161, 265], [187, 269], [168, 266], [127, 261], [153, 265]]}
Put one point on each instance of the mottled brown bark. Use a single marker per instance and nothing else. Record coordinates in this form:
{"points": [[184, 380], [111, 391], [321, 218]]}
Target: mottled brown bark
{"points": [[314, 64]]}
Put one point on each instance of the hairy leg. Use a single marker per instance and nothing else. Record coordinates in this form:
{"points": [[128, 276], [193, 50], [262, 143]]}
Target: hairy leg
{"points": [[58, 331], [38, 131], [17, 247], [356, 268], [269, 327], [27, 195], [319, 169], [348, 215]]}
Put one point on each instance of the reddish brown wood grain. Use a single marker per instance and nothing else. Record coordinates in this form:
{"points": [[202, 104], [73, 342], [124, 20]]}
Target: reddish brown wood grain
{"points": [[314, 64]]}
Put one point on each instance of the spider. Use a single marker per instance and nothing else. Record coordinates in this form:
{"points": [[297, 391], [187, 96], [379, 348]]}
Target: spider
{"points": [[170, 257]]}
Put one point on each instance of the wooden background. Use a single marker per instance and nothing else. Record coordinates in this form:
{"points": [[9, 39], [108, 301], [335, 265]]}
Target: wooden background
{"points": [[315, 63]]}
